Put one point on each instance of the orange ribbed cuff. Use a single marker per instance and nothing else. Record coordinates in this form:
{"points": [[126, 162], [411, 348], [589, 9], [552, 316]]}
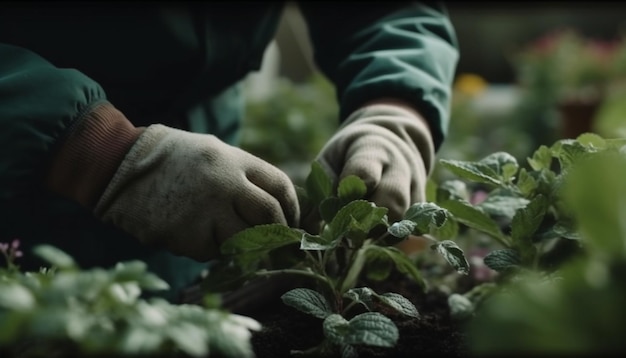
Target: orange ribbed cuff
{"points": [[91, 154]]}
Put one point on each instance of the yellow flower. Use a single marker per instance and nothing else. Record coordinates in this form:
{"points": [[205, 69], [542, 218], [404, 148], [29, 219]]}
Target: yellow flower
{"points": [[470, 84]]}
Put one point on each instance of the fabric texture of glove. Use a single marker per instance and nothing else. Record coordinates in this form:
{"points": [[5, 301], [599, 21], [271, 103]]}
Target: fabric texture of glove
{"points": [[387, 146], [189, 192]]}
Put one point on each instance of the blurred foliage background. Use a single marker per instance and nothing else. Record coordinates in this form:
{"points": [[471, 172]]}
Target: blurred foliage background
{"points": [[509, 87]]}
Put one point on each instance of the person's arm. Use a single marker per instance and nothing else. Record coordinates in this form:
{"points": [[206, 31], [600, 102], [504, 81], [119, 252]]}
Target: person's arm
{"points": [[41, 107], [373, 51], [392, 65], [185, 192]]}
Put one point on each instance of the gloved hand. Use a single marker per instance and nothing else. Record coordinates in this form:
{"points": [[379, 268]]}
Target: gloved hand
{"points": [[189, 192], [390, 147]]}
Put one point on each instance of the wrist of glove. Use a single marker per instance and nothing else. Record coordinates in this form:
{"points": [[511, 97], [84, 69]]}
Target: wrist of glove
{"points": [[390, 148], [189, 192]]}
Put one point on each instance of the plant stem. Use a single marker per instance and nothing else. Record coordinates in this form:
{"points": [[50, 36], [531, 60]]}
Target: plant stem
{"points": [[307, 273]]}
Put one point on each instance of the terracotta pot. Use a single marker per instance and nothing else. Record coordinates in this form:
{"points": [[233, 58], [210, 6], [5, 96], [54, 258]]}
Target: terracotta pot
{"points": [[577, 117]]}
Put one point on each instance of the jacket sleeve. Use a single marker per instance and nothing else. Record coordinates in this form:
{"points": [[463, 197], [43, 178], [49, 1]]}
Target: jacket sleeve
{"points": [[374, 50], [57, 121]]}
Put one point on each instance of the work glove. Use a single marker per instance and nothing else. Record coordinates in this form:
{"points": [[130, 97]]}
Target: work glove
{"points": [[189, 192], [390, 148]]}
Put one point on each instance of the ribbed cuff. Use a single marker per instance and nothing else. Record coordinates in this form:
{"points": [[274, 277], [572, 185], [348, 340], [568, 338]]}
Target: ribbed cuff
{"points": [[91, 154]]}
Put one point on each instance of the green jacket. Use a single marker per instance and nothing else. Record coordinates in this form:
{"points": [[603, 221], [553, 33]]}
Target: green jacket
{"points": [[180, 65]]}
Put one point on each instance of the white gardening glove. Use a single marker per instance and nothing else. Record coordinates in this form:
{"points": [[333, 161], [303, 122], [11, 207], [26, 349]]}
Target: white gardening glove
{"points": [[390, 148], [189, 192]]}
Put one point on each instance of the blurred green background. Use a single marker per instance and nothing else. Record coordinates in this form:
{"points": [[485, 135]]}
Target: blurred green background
{"points": [[291, 108]]}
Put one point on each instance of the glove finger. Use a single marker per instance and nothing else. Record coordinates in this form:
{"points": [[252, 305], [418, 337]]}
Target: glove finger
{"points": [[394, 193], [276, 194], [255, 206], [366, 166]]}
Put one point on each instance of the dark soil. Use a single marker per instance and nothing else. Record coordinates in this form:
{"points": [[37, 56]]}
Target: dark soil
{"points": [[433, 334]]}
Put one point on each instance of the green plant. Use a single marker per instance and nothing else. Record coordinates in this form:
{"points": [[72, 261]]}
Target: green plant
{"points": [[355, 239], [523, 210], [63, 310], [577, 310]]}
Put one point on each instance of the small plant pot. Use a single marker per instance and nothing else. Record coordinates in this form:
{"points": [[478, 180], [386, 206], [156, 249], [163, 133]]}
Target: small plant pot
{"points": [[577, 117]]}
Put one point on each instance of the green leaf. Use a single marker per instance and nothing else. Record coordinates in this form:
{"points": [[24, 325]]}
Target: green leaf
{"points": [[365, 214], [261, 239], [152, 282], [526, 183], [502, 205], [378, 266], [454, 188], [402, 229], [502, 260], [372, 329], [14, 296], [496, 169], [361, 295], [315, 243], [528, 219], [402, 262], [541, 159], [351, 188], [318, 184], [129, 271], [473, 217], [55, 256], [592, 140], [336, 328], [595, 190], [307, 301], [426, 216], [399, 303], [460, 306], [453, 254]]}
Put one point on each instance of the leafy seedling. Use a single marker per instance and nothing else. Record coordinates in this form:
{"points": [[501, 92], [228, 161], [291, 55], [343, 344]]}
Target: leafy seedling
{"points": [[353, 238], [523, 211]]}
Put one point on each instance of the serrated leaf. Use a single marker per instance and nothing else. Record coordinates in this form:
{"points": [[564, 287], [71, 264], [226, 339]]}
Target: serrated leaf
{"points": [[307, 301], [453, 254], [501, 205], [496, 169], [336, 328], [471, 171], [526, 183], [402, 229], [361, 295], [318, 184], [351, 188], [399, 303], [372, 329], [592, 140], [261, 239], [541, 158], [364, 213], [502, 260], [55, 256], [426, 216], [527, 220]]}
